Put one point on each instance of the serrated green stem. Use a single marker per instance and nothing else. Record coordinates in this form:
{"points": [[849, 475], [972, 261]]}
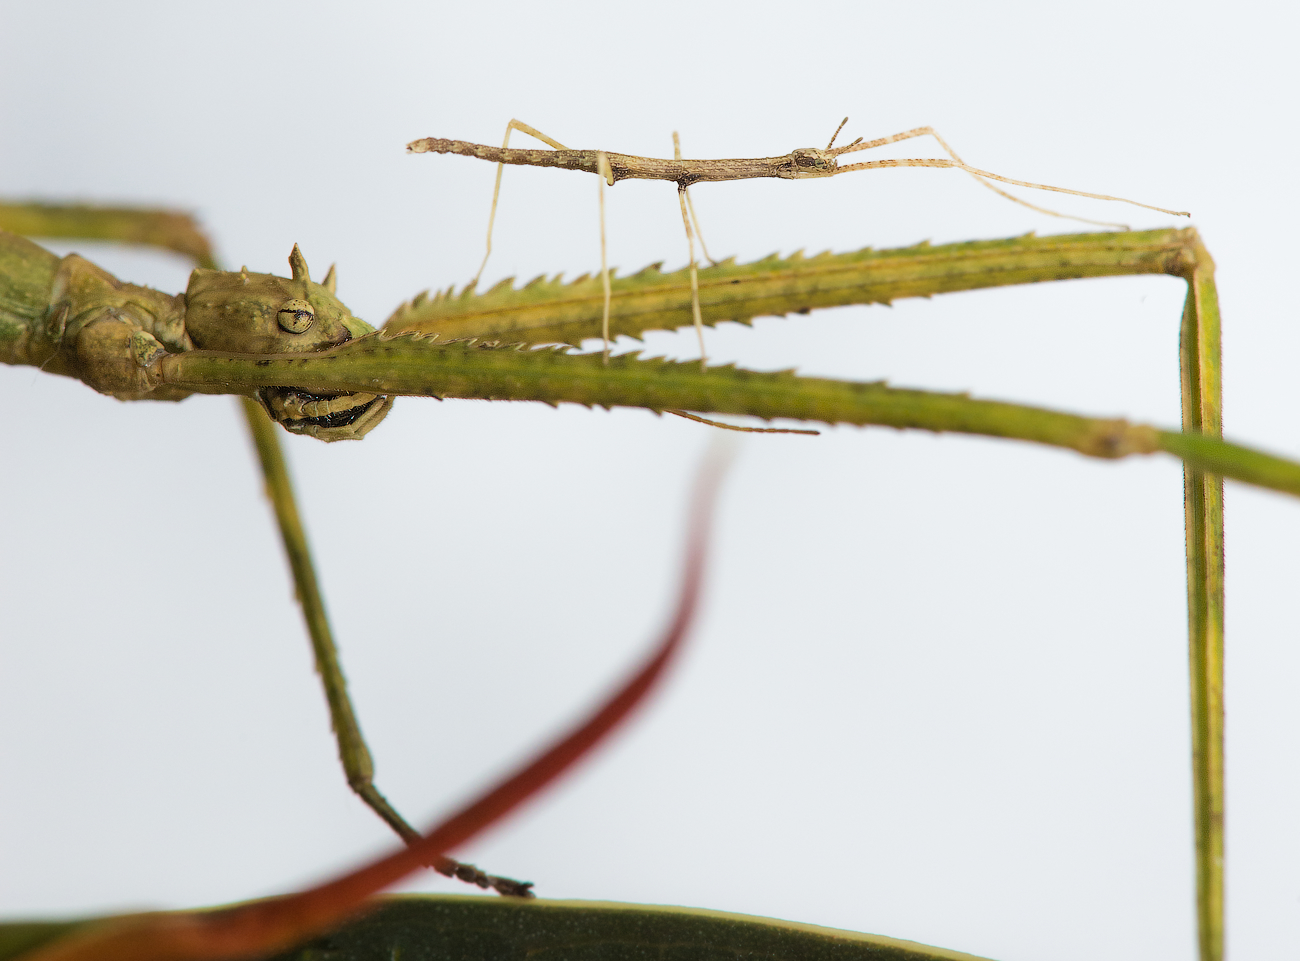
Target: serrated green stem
{"points": [[548, 311]]}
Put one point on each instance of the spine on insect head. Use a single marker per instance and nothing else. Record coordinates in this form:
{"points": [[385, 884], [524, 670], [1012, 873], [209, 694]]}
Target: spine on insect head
{"points": [[298, 266]]}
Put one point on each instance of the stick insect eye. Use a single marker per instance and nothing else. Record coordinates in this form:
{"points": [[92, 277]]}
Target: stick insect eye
{"points": [[296, 316]]}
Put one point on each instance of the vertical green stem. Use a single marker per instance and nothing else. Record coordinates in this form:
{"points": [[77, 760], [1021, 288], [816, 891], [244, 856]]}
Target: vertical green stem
{"points": [[1203, 501]]}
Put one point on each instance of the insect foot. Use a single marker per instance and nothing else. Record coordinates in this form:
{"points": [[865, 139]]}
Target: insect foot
{"points": [[472, 875]]}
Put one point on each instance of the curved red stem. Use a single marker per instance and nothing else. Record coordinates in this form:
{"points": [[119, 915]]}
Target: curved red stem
{"points": [[277, 923]]}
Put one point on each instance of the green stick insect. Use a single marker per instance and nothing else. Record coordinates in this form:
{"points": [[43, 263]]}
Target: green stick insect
{"points": [[288, 343]]}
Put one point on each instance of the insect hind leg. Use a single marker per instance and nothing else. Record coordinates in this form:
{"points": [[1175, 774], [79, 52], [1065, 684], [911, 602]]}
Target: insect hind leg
{"points": [[496, 189]]}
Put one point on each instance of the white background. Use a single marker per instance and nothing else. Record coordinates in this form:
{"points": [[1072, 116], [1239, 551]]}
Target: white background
{"points": [[939, 688]]}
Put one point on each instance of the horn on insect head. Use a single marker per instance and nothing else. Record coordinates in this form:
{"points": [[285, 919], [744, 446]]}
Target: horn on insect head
{"points": [[298, 265], [331, 280]]}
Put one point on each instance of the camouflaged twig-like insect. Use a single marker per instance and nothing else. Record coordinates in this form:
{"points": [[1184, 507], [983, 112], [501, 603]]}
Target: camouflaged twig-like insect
{"points": [[68, 316]]}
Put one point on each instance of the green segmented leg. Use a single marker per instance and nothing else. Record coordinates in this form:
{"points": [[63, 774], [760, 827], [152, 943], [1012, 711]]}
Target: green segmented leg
{"points": [[353, 753], [179, 233], [1202, 395]]}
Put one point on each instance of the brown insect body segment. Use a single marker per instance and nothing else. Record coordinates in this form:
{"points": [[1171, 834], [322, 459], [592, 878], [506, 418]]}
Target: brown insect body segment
{"points": [[800, 164]]}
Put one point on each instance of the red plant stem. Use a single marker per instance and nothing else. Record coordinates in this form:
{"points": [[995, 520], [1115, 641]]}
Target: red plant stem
{"points": [[277, 923]]}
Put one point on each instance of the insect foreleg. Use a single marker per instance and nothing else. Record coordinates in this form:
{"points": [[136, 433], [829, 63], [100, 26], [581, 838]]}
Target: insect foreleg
{"points": [[983, 176], [68, 316], [1018, 200]]}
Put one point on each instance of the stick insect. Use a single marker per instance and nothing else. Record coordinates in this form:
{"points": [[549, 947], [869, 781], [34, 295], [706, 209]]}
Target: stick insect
{"points": [[804, 163], [461, 345]]}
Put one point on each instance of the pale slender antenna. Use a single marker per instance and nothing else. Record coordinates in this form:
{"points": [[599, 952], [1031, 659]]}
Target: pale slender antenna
{"points": [[496, 190], [603, 174], [682, 198], [746, 430]]}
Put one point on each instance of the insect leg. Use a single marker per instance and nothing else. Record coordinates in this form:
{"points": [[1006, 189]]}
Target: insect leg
{"points": [[496, 190], [358, 765], [695, 277], [737, 427], [604, 174], [688, 215], [930, 131], [982, 175], [123, 355], [167, 229], [1013, 198], [695, 220]]}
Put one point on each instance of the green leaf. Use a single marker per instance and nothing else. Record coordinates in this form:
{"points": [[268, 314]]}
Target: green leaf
{"points": [[469, 928]]}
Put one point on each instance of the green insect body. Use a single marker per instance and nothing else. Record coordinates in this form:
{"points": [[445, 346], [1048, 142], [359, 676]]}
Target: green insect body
{"points": [[68, 316], [251, 334]]}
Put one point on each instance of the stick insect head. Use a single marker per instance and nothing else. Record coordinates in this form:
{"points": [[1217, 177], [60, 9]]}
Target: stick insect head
{"points": [[247, 313], [807, 163]]}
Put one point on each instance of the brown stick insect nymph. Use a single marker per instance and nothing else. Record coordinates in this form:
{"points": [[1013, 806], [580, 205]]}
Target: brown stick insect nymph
{"points": [[803, 163]]}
